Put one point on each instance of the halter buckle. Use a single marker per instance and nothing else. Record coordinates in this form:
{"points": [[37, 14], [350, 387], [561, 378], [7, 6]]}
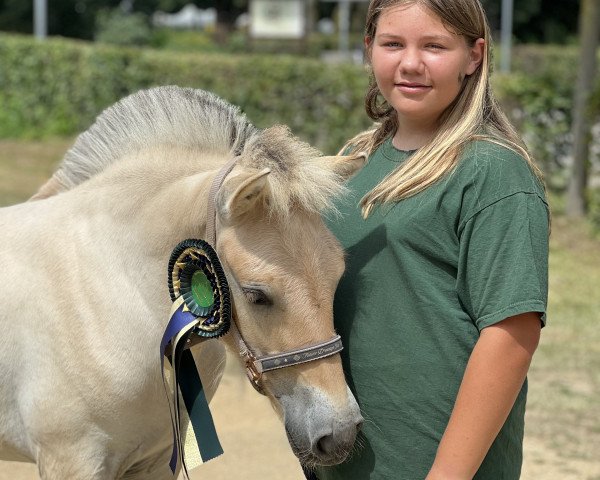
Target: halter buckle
{"points": [[253, 374]]}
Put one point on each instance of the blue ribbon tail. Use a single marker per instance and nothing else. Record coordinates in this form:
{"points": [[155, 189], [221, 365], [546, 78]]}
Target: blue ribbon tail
{"points": [[187, 381]]}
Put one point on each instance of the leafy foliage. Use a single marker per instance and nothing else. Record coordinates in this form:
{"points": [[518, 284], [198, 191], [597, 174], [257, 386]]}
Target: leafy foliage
{"points": [[69, 18], [593, 202], [534, 20], [57, 87], [541, 21], [121, 28], [538, 98]]}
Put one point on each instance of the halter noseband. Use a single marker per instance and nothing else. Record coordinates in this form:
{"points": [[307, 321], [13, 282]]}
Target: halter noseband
{"points": [[256, 366]]}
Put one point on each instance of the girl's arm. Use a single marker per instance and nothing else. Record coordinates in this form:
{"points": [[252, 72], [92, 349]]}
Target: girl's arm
{"points": [[493, 378]]}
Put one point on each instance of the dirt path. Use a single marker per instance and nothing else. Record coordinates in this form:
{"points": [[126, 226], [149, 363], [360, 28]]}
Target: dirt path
{"points": [[256, 448], [542, 461]]}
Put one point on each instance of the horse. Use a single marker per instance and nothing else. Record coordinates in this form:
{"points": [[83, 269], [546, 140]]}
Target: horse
{"points": [[84, 301]]}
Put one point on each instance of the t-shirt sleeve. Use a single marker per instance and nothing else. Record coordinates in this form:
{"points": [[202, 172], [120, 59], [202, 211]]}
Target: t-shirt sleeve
{"points": [[503, 260]]}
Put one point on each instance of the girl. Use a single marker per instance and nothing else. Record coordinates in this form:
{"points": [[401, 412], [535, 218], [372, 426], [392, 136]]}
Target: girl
{"points": [[446, 230]]}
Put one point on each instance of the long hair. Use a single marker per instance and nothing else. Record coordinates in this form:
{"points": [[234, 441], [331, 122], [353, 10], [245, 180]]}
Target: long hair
{"points": [[474, 114]]}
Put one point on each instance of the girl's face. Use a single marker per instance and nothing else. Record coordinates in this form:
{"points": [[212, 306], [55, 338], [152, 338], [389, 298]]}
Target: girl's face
{"points": [[419, 65]]}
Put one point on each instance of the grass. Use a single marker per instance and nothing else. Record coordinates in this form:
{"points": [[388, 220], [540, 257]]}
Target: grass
{"points": [[563, 416], [25, 166], [564, 396]]}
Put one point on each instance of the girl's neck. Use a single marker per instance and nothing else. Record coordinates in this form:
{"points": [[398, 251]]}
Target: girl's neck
{"points": [[412, 137]]}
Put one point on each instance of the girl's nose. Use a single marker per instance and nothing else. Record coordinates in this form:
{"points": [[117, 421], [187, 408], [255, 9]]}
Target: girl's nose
{"points": [[411, 61]]}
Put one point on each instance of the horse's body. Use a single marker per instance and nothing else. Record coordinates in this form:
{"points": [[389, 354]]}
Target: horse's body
{"points": [[84, 301]]}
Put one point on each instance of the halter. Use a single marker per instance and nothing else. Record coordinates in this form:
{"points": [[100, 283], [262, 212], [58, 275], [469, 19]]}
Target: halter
{"points": [[256, 366]]}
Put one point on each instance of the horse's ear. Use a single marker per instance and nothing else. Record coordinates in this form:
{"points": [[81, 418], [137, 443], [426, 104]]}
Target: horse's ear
{"points": [[345, 165], [241, 193]]}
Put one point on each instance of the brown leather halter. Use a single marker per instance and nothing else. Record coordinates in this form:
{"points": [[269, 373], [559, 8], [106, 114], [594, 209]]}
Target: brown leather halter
{"points": [[256, 366]]}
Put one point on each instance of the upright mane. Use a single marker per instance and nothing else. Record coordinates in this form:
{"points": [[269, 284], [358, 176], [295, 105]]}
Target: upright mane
{"points": [[167, 115], [200, 121]]}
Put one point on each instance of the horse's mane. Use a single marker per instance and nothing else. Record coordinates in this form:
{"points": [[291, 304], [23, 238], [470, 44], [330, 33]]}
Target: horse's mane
{"points": [[159, 116], [200, 120]]}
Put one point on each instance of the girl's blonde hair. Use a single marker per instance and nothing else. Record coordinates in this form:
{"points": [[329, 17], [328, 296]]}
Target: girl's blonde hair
{"points": [[473, 115]]}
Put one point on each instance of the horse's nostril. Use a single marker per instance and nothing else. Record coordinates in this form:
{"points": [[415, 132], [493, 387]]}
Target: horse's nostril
{"points": [[335, 446], [326, 445]]}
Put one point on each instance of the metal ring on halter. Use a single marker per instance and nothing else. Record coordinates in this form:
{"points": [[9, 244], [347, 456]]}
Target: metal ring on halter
{"points": [[253, 374]]}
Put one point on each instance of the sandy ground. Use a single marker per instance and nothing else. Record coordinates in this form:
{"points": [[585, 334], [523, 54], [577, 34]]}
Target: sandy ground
{"points": [[543, 462], [256, 448]]}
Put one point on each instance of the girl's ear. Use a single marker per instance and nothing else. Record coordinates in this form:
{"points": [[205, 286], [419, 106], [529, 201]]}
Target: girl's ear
{"points": [[368, 46], [475, 56]]}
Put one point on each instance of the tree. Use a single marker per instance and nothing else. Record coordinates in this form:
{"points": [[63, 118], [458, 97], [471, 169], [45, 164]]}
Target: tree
{"points": [[538, 21], [589, 28], [68, 18], [122, 28]]}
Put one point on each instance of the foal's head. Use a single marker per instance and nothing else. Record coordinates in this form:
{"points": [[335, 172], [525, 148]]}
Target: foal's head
{"points": [[283, 266]]}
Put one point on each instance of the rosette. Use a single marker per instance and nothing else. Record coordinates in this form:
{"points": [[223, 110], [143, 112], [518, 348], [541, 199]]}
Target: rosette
{"points": [[196, 274]]}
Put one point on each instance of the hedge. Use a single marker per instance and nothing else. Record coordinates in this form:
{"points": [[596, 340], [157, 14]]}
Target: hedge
{"points": [[58, 86], [537, 96]]}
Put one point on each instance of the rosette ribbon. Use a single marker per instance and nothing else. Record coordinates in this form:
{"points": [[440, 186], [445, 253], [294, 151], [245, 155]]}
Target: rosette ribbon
{"points": [[201, 310]]}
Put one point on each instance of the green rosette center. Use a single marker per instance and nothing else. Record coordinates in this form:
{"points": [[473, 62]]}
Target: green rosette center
{"points": [[202, 291], [196, 275]]}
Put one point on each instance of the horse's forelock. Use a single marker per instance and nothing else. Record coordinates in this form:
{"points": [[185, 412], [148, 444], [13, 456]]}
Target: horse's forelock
{"points": [[298, 178]]}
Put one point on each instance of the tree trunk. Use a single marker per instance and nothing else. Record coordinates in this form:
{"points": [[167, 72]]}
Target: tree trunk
{"points": [[589, 27], [311, 16]]}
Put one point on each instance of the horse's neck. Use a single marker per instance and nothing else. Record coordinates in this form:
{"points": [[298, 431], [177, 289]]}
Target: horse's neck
{"points": [[161, 197]]}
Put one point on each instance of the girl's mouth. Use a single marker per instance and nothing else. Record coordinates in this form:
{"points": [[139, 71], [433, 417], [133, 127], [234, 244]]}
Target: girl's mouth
{"points": [[411, 87]]}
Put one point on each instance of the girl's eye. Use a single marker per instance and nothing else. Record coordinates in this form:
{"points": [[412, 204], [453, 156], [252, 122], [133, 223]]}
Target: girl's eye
{"points": [[392, 44], [256, 296], [435, 46]]}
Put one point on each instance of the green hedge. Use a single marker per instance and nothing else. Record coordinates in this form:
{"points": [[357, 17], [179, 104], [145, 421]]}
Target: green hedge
{"points": [[58, 86], [537, 96]]}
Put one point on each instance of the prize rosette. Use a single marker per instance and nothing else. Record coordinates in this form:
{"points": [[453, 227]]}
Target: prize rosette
{"points": [[196, 275], [201, 307]]}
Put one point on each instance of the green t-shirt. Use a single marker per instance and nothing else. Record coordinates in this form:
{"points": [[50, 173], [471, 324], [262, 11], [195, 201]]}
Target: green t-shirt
{"points": [[423, 277]]}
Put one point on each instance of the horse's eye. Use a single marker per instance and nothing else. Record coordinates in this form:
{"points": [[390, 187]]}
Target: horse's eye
{"points": [[256, 296]]}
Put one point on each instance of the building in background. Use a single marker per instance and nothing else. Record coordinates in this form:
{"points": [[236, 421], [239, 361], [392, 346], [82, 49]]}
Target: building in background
{"points": [[190, 16]]}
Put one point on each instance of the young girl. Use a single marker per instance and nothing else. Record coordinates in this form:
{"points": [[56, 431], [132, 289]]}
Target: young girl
{"points": [[446, 231]]}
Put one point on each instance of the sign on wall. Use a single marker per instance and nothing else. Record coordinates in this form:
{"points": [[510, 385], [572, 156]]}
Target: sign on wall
{"points": [[277, 19]]}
